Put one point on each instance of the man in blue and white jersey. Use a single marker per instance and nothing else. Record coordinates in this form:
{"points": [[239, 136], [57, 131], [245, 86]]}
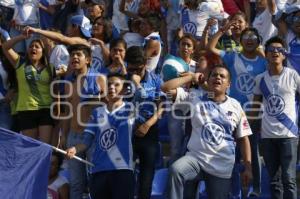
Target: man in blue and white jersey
{"points": [[276, 89], [244, 67], [218, 121]]}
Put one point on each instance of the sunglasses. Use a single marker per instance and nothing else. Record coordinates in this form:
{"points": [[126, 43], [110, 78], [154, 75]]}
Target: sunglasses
{"points": [[249, 37], [296, 19], [273, 49]]}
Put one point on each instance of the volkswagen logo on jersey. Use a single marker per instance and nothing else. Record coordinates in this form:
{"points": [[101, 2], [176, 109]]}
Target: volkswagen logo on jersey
{"points": [[213, 133], [190, 27], [108, 138], [245, 83], [96, 63], [275, 105]]}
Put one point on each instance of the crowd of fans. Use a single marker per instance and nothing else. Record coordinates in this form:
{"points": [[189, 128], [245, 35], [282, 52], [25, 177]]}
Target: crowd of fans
{"points": [[95, 77]]}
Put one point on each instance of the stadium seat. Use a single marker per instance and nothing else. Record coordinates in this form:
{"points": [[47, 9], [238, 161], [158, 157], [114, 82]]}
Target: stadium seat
{"points": [[159, 184]]}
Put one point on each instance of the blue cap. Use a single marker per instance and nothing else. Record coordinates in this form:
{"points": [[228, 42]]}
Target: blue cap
{"points": [[83, 23], [293, 8]]}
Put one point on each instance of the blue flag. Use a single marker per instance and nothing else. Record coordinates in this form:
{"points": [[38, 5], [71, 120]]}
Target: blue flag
{"points": [[24, 166]]}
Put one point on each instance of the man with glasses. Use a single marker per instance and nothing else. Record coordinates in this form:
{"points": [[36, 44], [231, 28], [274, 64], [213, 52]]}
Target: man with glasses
{"points": [[276, 88], [244, 67]]}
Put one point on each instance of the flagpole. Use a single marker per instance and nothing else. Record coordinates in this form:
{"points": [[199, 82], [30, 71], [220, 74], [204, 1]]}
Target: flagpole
{"points": [[75, 157]]}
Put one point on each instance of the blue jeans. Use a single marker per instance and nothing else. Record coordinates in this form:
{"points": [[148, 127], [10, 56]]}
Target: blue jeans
{"points": [[5, 116], [280, 156], [176, 128], [187, 168], [78, 170]]}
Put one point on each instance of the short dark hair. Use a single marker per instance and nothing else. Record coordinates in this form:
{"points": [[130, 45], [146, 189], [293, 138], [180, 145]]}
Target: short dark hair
{"points": [[272, 40], [108, 28], [80, 47], [117, 41], [190, 37], [154, 20], [135, 55], [220, 66], [118, 75]]}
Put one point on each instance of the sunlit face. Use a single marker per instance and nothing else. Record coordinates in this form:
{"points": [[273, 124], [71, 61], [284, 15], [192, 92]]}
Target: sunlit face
{"points": [[95, 11], [275, 53], [186, 48], [35, 51], [115, 87], [118, 51], [249, 41], [78, 60], [219, 80], [98, 27], [241, 24]]}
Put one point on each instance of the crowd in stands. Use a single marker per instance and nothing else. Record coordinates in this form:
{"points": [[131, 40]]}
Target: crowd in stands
{"points": [[97, 77]]}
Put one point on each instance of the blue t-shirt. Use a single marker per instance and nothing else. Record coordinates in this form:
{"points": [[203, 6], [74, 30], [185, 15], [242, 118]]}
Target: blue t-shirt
{"points": [[111, 133], [243, 72], [145, 97]]}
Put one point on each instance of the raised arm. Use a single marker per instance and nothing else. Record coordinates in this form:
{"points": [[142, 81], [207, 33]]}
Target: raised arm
{"points": [[177, 82], [8, 50], [272, 6], [211, 46], [57, 37], [105, 50]]}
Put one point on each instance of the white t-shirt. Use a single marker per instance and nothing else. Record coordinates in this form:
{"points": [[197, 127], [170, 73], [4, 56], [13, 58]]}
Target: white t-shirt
{"points": [[59, 57], [27, 13], [7, 3], [97, 57], [133, 39], [119, 20], [194, 21], [279, 103], [214, 130], [263, 24]]}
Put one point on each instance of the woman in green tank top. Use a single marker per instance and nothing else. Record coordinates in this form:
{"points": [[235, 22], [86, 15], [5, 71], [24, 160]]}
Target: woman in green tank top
{"points": [[34, 76]]}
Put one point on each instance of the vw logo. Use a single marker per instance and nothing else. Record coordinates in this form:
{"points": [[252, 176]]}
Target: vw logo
{"points": [[96, 63], [190, 27], [213, 133], [275, 105], [108, 138], [245, 83]]}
